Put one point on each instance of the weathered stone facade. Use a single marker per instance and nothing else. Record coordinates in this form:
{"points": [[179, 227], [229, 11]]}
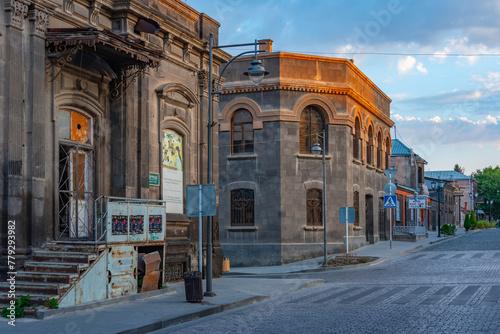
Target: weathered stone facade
{"points": [[283, 178], [93, 85]]}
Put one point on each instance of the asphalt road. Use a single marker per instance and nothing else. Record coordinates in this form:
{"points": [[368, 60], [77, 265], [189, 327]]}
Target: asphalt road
{"points": [[450, 287]]}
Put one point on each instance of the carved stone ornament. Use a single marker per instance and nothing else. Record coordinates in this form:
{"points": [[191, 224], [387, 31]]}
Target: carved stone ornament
{"points": [[203, 79], [95, 8], [41, 19], [167, 43], [186, 52], [68, 6], [18, 12]]}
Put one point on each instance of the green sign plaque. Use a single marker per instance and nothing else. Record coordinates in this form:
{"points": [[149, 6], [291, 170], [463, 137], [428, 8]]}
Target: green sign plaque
{"points": [[154, 179]]}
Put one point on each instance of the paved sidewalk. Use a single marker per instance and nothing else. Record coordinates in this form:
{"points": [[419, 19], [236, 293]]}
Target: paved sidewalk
{"points": [[169, 306]]}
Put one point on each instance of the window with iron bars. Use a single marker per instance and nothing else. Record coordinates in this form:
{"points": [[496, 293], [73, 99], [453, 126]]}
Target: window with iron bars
{"points": [[314, 207], [242, 207]]}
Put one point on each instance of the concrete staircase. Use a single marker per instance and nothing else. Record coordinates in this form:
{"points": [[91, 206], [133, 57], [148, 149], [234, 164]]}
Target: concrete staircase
{"points": [[52, 272]]}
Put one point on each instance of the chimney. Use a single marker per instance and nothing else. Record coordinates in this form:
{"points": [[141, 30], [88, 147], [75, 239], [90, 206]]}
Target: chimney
{"points": [[268, 47]]}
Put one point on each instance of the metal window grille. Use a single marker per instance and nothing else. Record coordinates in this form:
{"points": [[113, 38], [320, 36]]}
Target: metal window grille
{"points": [[314, 207], [242, 207], [76, 191], [356, 208]]}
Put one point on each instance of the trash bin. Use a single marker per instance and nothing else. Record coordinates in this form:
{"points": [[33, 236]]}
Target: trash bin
{"points": [[225, 265], [193, 286]]}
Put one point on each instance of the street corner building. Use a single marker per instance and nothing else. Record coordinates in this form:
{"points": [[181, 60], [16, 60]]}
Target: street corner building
{"points": [[104, 123], [270, 183]]}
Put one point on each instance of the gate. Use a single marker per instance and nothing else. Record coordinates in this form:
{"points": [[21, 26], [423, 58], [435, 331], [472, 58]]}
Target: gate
{"points": [[76, 191]]}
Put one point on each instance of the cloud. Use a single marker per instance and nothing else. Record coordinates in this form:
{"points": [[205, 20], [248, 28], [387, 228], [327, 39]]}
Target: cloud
{"points": [[408, 63], [451, 131], [490, 83], [421, 68]]}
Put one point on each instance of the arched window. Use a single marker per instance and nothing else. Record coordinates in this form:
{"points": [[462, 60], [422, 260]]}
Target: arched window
{"points": [[369, 147], [356, 208], [314, 207], [242, 132], [379, 150], [242, 207], [311, 123], [357, 140], [387, 153]]}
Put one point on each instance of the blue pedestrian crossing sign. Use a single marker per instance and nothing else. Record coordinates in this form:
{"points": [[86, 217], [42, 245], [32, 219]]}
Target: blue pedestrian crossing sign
{"points": [[390, 201]]}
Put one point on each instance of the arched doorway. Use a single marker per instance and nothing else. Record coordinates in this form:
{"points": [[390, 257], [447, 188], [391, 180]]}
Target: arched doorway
{"points": [[369, 219], [76, 174]]}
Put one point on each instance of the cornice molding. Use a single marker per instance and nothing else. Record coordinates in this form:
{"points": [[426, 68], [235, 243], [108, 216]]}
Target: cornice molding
{"points": [[347, 91]]}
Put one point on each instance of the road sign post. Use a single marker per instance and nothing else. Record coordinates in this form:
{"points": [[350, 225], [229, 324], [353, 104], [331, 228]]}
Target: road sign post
{"points": [[390, 189], [200, 201], [347, 216]]}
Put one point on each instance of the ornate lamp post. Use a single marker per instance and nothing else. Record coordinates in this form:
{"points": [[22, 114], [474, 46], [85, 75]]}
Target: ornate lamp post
{"points": [[316, 150], [256, 72], [438, 186]]}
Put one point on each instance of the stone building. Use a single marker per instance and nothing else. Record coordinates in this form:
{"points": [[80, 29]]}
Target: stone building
{"points": [[270, 185], [464, 193], [102, 99], [410, 183]]}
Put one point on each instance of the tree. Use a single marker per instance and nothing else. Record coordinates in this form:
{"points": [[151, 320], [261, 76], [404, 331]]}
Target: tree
{"points": [[467, 222], [488, 182], [458, 168], [473, 220]]}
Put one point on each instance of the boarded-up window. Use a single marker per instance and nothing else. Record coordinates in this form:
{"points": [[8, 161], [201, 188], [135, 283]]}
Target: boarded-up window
{"points": [[311, 123], [314, 207], [242, 207], [74, 126], [242, 132]]}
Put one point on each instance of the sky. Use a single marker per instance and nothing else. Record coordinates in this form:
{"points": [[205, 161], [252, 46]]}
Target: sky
{"points": [[438, 60]]}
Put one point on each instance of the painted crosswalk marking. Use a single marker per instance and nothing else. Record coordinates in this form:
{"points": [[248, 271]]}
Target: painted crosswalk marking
{"points": [[465, 295]]}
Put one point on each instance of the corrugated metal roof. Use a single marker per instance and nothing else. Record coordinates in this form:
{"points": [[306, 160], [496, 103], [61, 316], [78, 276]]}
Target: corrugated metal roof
{"points": [[447, 175], [398, 148]]}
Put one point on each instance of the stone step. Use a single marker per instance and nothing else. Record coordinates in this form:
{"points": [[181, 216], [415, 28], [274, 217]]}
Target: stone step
{"points": [[35, 299], [71, 246], [59, 256], [55, 267], [24, 288], [46, 277]]}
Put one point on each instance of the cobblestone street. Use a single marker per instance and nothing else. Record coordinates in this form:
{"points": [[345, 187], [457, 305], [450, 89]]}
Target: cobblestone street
{"points": [[450, 287]]}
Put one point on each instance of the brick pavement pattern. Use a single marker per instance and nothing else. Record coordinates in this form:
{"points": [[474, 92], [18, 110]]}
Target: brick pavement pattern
{"points": [[450, 287]]}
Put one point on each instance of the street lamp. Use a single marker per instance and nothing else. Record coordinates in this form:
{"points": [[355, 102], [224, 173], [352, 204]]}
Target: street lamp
{"points": [[316, 150], [438, 186], [489, 202], [256, 72]]}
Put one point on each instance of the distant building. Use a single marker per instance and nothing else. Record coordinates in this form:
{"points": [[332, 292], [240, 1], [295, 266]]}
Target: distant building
{"points": [[410, 185], [464, 193], [271, 185]]}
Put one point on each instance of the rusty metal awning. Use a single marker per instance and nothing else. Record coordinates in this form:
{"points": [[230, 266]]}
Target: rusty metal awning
{"points": [[119, 52]]}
